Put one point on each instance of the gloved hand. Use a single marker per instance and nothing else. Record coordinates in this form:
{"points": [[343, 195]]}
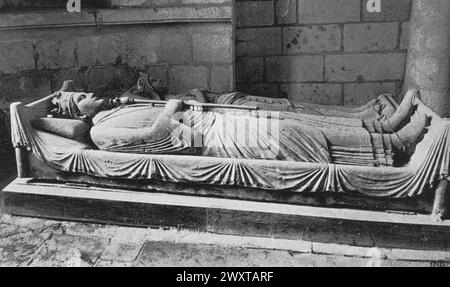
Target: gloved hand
{"points": [[174, 106], [126, 100], [192, 103], [121, 101]]}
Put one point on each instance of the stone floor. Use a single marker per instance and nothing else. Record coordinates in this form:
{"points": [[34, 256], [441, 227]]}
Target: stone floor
{"points": [[38, 242]]}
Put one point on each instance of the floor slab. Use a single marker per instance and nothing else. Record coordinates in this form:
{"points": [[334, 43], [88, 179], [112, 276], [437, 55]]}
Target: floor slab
{"points": [[69, 250], [39, 242]]}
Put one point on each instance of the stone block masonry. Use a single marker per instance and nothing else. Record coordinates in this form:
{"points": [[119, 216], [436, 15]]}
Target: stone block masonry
{"points": [[98, 58], [321, 51], [255, 13], [294, 69], [328, 11], [364, 67]]}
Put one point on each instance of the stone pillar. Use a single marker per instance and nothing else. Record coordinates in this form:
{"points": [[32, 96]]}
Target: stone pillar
{"points": [[427, 66]]}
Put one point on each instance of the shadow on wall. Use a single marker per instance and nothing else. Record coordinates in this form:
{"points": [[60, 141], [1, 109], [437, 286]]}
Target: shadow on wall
{"points": [[32, 85], [7, 162], [107, 81]]}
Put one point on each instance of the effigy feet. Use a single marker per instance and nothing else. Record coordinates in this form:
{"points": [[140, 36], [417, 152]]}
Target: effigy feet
{"points": [[403, 112], [401, 115], [407, 137], [385, 106]]}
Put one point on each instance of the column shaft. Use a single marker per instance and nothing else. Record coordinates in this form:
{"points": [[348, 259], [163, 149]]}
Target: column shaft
{"points": [[427, 66]]}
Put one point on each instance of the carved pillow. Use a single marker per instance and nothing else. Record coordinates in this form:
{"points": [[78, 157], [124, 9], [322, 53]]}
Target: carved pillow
{"points": [[68, 128]]}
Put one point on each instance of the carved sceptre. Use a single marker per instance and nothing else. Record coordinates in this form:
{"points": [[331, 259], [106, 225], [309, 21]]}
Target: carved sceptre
{"points": [[69, 85], [196, 105]]}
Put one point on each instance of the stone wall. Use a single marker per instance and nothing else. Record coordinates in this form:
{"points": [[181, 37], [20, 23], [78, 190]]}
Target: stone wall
{"points": [[187, 44], [39, 4], [321, 51]]}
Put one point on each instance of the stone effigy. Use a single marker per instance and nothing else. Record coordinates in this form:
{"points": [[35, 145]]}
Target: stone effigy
{"points": [[149, 87], [176, 129], [189, 142]]}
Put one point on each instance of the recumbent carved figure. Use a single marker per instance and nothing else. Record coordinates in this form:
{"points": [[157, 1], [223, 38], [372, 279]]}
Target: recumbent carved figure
{"points": [[149, 87], [281, 135]]}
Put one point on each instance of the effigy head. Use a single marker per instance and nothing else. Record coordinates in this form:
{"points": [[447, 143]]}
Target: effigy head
{"points": [[74, 105]]}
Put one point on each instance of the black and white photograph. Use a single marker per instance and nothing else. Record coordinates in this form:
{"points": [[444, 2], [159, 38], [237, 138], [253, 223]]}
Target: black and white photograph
{"points": [[224, 134]]}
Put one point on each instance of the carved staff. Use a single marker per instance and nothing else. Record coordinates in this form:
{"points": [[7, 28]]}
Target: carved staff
{"points": [[195, 105], [69, 85]]}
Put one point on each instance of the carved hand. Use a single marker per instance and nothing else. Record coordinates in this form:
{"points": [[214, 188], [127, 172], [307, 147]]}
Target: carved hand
{"points": [[173, 106], [125, 100]]}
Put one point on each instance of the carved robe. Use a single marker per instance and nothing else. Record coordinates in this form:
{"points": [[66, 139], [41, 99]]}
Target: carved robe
{"points": [[249, 135]]}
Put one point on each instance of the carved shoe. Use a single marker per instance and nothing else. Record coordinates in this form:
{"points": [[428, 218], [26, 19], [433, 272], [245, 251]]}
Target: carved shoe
{"points": [[410, 134], [402, 113]]}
